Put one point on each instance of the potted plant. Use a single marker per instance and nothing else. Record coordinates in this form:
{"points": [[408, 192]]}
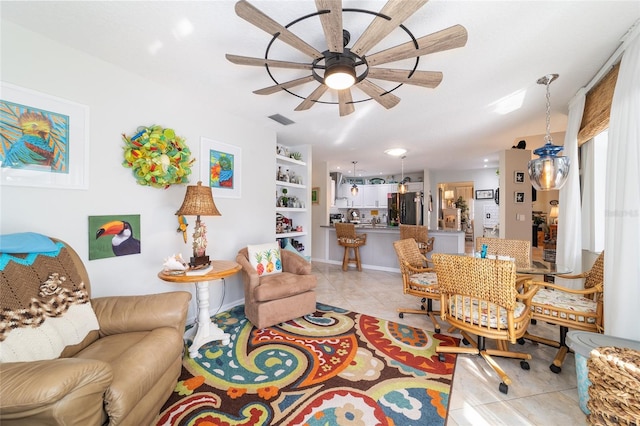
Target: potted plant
{"points": [[284, 200]]}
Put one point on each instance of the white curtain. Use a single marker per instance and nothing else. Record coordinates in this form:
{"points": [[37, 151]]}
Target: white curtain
{"points": [[569, 245], [622, 216], [588, 203]]}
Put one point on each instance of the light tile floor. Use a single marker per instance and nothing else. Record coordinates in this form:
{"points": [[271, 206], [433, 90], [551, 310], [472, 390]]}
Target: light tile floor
{"points": [[536, 397]]}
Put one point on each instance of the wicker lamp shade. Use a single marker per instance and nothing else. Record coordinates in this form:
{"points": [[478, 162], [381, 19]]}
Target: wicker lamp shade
{"points": [[198, 201]]}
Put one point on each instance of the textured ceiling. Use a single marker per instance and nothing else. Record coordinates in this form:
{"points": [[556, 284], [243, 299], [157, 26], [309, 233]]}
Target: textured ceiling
{"points": [[487, 101]]}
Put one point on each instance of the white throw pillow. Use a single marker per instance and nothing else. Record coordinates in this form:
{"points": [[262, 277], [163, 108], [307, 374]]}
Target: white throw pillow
{"points": [[265, 258]]}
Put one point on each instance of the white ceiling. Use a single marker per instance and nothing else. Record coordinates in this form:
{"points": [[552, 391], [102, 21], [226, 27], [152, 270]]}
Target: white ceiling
{"points": [[454, 126]]}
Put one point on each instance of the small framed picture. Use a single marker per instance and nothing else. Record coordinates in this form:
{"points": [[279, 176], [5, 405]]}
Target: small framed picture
{"points": [[519, 199], [518, 177], [484, 194], [315, 195]]}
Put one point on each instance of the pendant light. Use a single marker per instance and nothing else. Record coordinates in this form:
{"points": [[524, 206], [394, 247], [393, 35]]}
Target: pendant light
{"points": [[402, 188], [354, 188], [550, 171]]}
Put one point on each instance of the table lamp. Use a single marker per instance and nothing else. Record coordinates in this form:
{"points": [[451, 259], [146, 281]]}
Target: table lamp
{"points": [[198, 201], [553, 214]]}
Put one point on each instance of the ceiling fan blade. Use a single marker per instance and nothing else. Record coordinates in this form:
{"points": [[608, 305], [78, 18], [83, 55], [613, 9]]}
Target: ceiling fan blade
{"points": [[289, 84], [398, 11], [377, 93], [449, 38], [246, 60], [332, 23], [430, 79], [312, 98], [254, 16], [346, 102]]}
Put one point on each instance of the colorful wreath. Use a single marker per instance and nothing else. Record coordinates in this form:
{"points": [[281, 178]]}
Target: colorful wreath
{"points": [[157, 156]]}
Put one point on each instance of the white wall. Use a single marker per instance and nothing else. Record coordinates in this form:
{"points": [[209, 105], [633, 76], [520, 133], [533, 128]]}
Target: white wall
{"points": [[119, 102]]}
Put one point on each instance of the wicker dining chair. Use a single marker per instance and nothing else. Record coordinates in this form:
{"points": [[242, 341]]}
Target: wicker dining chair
{"points": [[347, 238], [420, 233], [418, 279], [570, 309], [479, 296], [520, 250]]}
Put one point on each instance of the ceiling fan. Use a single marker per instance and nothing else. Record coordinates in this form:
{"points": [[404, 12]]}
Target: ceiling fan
{"points": [[340, 67]]}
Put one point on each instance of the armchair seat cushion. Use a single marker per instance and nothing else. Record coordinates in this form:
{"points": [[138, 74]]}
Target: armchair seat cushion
{"points": [[425, 279], [483, 316], [283, 285], [545, 300]]}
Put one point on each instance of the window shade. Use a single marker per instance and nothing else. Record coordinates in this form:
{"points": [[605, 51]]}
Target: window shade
{"points": [[597, 106]]}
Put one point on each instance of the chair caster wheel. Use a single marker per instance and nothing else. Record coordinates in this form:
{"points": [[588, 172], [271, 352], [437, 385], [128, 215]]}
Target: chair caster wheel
{"points": [[534, 322], [437, 330], [423, 308], [401, 315], [503, 388], [524, 365], [521, 341], [465, 341], [555, 368], [424, 299], [441, 357]]}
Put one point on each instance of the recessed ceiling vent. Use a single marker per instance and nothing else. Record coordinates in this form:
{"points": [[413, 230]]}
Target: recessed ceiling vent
{"points": [[281, 119]]}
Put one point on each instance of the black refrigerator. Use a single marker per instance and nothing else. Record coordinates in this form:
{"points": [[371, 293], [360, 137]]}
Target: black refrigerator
{"points": [[405, 208]]}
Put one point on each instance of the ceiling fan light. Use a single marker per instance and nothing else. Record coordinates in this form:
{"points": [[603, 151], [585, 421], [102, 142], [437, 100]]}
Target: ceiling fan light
{"points": [[340, 77]]}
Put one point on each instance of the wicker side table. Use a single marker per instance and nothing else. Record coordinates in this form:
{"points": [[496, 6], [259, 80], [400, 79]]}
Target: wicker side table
{"points": [[614, 394]]}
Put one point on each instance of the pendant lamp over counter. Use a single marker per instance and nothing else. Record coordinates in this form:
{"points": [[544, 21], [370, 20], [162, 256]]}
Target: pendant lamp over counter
{"points": [[402, 187], [354, 188], [550, 171]]}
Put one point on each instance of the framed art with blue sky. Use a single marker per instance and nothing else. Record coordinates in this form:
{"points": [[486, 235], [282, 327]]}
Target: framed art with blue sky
{"points": [[221, 168]]}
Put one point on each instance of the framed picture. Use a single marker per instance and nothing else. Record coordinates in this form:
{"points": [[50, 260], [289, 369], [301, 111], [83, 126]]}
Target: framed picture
{"points": [[484, 194], [315, 195], [113, 236], [221, 168], [519, 198], [45, 140], [518, 177]]}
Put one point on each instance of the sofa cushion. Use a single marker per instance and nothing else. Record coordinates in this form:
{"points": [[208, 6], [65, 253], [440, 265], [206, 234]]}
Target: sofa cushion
{"points": [[137, 360], [283, 285], [265, 258], [44, 305]]}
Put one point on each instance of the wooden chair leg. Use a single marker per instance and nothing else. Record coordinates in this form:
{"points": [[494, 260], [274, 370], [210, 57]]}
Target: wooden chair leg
{"points": [[345, 259], [357, 256]]}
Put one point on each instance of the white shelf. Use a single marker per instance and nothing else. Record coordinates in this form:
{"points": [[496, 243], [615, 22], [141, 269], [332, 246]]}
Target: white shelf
{"points": [[290, 234], [290, 160], [290, 185], [291, 209]]}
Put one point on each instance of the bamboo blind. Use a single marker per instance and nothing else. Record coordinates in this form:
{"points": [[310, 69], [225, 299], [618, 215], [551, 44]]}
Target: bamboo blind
{"points": [[597, 107]]}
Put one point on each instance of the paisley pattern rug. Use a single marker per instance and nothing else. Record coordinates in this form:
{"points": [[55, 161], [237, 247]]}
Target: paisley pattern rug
{"points": [[332, 367]]}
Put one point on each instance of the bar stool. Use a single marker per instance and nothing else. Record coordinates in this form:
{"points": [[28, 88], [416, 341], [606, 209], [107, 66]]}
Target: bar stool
{"points": [[420, 233], [347, 238]]}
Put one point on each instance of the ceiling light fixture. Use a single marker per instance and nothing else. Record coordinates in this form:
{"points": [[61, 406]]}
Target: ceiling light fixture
{"points": [[550, 171], [396, 152], [402, 188], [341, 72], [354, 188]]}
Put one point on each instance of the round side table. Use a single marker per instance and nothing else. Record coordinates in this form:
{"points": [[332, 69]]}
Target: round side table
{"points": [[205, 330]]}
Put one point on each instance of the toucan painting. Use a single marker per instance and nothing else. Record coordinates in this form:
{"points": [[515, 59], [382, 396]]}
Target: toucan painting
{"points": [[113, 236]]}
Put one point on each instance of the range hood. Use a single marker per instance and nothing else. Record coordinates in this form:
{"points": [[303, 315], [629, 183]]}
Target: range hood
{"points": [[336, 177]]}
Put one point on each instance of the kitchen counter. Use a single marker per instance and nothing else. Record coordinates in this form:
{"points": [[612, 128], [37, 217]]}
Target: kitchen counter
{"points": [[379, 253]]}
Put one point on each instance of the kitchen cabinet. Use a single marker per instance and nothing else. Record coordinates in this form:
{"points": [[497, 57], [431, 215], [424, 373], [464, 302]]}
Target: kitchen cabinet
{"points": [[293, 212], [352, 200]]}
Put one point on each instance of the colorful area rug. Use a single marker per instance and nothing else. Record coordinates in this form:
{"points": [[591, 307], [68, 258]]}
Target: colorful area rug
{"points": [[333, 367]]}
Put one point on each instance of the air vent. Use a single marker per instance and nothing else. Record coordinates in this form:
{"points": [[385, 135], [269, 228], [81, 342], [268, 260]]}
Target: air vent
{"points": [[281, 119]]}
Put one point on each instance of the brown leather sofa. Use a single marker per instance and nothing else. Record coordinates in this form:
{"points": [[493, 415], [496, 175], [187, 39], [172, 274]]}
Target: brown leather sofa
{"points": [[276, 298], [120, 374]]}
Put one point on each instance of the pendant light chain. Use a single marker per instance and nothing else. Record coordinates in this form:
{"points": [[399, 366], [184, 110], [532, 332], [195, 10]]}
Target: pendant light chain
{"points": [[547, 138]]}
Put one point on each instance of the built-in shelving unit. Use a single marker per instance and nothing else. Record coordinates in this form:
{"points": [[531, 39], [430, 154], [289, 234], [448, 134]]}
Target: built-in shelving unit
{"points": [[294, 176]]}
